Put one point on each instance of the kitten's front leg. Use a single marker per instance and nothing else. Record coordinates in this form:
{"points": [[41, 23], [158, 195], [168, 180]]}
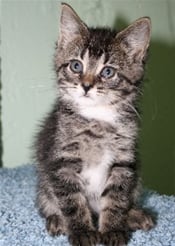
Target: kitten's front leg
{"points": [[69, 190], [115, 202]]}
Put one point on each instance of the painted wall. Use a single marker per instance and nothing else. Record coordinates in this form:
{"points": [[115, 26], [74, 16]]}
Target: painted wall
{"points": [[29, 30]]}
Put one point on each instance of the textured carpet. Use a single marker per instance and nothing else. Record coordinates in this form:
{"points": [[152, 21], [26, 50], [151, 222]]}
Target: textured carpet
{"points": [[20, 224]]}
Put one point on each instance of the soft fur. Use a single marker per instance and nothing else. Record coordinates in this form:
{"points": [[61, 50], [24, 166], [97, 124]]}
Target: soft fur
{"points": [[88, 184]]}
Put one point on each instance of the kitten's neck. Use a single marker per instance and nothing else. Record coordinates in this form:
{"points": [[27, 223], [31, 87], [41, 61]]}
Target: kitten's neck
{"points": [[101, 113]]}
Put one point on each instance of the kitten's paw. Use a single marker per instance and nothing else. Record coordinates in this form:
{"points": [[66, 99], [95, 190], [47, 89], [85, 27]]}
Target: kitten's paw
{"points": [[139, 219], [89, 238], [54, 225], [115, 238]]}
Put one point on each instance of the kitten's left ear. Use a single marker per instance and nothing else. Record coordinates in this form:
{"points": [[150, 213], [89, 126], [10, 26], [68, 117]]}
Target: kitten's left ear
{"points": [[71, 26], [135, 38]]}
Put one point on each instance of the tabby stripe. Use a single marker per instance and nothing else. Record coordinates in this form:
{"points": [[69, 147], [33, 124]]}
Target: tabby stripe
{"points": [[107, 56], [129, 165], [71, 147], [64, 188], [113, 189], [62, 66], [89, 133], [119, 136], [73, 163], [69, 209], [121, 76], [115, 210], [83, 53], [110, 188], [126, 92], [135, 83]]}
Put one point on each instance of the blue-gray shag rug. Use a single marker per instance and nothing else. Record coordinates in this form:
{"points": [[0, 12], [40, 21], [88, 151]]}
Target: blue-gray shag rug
{"points": [[21, 225]]}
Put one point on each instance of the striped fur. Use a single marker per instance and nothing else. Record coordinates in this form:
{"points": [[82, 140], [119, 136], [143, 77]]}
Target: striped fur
{"points": [[87, 169]]}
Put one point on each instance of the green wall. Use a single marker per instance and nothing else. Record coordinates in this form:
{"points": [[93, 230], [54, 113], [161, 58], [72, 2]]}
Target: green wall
{"points": [[29, 29]]}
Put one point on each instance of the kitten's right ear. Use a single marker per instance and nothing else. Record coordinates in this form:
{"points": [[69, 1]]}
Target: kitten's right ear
{"points": [[71, 26]]}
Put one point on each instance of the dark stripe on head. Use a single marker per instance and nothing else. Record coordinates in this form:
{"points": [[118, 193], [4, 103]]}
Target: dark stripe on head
{"points": [[83, 53], [99, 41]]}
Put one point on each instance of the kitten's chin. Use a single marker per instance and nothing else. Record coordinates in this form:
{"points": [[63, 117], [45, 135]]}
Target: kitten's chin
{"points": [[81, 99], [85, 100]]}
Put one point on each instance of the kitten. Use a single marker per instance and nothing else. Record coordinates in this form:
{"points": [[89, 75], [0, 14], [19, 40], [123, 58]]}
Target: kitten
{"points": [[88, 184]]}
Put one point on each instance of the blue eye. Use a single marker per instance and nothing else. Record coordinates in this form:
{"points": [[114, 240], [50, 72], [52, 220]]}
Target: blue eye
{"points": [[107, 72], [76, 66]]}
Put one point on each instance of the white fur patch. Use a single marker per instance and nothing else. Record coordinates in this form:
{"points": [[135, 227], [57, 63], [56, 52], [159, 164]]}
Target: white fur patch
{"points": [[95, 179], [92, 106], [101, 113]]}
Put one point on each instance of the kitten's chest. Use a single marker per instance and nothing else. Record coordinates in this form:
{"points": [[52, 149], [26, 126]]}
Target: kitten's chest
{"points": [[99, 113], [94, 179]]}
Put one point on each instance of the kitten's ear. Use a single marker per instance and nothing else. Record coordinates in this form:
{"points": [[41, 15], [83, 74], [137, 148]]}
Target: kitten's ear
{"points": [[71, 26], [136, 37]]}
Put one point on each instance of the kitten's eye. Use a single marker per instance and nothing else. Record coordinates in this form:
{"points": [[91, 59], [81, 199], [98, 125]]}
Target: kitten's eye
{"points": [[107, 72], [76, 66]]}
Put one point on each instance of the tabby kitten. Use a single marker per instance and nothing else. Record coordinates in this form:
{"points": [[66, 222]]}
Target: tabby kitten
{"points": [[87, 172]]}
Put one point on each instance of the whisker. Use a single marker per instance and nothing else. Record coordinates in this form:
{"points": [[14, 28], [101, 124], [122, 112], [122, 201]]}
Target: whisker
{"points": [[134, 109], [140, 91], [129, 105]]}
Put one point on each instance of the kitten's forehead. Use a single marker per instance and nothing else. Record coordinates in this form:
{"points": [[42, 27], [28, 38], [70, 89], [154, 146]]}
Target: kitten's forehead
{"points": [[100, 41], [92, 63], [98, 44]]}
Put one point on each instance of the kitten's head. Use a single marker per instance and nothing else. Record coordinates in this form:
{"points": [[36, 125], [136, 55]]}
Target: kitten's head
{"points": [[98, 66]]}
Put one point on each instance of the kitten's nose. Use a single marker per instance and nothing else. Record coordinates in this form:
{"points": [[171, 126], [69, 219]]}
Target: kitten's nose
{"points": [[86, 87]]}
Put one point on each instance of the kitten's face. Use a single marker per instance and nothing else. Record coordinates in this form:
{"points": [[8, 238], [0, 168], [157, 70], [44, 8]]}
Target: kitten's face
{"points": [[89, 80], [98, 67]]}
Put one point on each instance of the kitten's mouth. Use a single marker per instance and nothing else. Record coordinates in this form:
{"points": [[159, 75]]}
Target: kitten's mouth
{"points": [[86, 95]]}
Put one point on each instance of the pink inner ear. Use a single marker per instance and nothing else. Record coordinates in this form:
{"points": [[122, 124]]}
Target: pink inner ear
{"points": [[135, 38], [71, 26]]}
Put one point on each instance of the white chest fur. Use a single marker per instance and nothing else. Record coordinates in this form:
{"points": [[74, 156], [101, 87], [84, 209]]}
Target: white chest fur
{"points": [[101, 113], [95, 178]]}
